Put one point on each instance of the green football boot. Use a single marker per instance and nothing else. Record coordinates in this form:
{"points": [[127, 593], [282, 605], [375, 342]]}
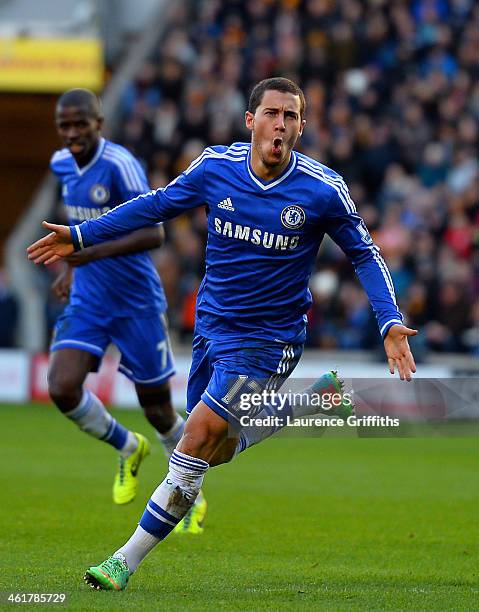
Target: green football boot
{"points": [[330, 384], [111, 575], [125, 485], [192, 523]]}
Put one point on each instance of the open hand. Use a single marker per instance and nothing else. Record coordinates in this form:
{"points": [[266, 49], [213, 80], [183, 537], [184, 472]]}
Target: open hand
{"points": [[53, 246], [398, 352]]}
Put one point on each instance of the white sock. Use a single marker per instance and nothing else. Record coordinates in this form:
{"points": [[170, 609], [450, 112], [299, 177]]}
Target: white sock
{"points": [[171, 438], [136, 549], [167, 506], [91, 415]]}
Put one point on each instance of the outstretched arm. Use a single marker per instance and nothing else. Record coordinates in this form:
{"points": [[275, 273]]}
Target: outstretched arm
{"points": [[183, 193], [141, 240], [348, 230], [58, 245]]}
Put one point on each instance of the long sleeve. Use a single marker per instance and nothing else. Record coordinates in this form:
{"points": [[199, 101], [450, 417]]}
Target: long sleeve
{"points": [[183, 193], [349, 231]]}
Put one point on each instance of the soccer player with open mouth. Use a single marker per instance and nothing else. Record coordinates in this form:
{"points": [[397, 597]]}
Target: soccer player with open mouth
{"points": [[268, 208]]}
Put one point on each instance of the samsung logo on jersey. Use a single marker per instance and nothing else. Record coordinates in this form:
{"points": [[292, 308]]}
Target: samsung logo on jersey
{"points": [[255, 235], [83, 213]]}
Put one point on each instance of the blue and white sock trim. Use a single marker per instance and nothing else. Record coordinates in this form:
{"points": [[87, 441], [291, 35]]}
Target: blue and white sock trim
{"points": [[116, 434], [193, 465], [157, 521], [83, 407], [160, 514]]}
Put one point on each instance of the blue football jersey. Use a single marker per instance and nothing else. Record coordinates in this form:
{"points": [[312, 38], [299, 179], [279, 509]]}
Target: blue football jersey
{"points": [[263, 238], [126, 284]]}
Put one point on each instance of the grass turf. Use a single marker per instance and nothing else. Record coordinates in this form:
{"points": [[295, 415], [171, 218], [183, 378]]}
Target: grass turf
{"points": [[329, 524]]}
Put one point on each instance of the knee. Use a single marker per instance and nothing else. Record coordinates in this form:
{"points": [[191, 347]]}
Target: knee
{"points": [[201, 441], [64, 390], [204, 433]]}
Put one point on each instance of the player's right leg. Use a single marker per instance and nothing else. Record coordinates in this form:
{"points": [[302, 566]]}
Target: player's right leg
{"points": [[205, 432], [78, 345], [67, 371]]}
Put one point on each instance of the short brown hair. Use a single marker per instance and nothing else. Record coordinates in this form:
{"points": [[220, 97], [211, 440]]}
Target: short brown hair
{"points": [[276, 84]]}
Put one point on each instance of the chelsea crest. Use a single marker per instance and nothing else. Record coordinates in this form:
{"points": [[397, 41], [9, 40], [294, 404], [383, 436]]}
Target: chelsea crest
{"points": [[99, 194], [293, 216]]}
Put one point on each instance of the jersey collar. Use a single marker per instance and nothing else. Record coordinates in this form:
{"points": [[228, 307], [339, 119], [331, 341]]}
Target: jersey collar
{"points": [[92, 162], [265, 185]]}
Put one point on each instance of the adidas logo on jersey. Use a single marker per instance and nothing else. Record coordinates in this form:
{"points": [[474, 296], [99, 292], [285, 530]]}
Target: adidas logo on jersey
{"points": [[226, 204]]}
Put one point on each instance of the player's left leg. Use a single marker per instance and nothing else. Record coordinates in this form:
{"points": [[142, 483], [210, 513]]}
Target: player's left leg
{"points": [[147, 360], [273, 416], [325, 396]]}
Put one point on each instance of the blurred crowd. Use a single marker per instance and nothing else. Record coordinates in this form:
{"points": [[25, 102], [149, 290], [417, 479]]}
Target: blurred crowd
{"points": [[392, 89]]}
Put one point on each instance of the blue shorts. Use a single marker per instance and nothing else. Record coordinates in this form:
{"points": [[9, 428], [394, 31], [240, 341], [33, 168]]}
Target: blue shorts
{"points": [[146, 356], [224, 371]]}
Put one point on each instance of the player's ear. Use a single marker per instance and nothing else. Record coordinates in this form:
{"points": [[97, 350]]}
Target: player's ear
{"points": [[301, 129], [249, 120], [100, 120]]}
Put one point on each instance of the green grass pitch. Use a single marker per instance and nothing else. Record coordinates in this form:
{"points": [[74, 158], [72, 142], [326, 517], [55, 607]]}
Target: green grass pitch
{"points": [[293, 524]]}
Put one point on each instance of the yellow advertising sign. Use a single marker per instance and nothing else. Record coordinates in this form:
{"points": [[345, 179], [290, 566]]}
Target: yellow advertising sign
{"points": [[50, 65]]}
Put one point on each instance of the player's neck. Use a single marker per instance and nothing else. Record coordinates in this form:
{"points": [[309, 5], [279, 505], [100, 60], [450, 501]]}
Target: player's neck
{"points": [[265, 172], [86, 159]]}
